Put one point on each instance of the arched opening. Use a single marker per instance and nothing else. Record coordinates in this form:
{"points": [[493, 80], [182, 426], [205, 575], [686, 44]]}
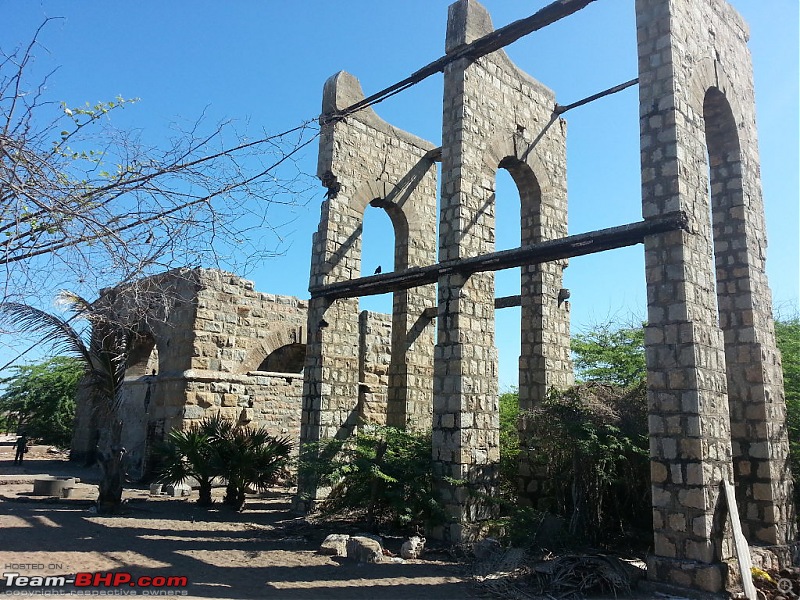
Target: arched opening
{"points": [[378, 255], [143, 357], [731, 278], [536, 283], [378, 252], [507, 235], [286, 359]]}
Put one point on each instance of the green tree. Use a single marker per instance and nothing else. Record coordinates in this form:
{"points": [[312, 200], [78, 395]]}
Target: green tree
{"points": [[40, 399], [787, 335], [610, 354]]}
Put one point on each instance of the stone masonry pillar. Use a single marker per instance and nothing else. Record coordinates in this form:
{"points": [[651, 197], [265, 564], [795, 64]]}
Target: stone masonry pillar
{"points": [[696, 95], [366, 163], [495, 116]]}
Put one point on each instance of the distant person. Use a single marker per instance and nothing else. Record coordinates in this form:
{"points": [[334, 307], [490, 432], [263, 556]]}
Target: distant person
{"points": [[22, 448]]}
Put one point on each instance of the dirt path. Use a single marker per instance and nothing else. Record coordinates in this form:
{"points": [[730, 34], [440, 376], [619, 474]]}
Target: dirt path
{"points": [[264, 552]]}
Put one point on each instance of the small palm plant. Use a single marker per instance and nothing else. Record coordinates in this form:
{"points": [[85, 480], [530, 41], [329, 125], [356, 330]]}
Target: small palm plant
{"points": [[186, 454], [248, 458], [217, 447]]}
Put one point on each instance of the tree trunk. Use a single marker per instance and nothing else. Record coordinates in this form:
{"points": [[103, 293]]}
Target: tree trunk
{"points": [[205, 493], [109, 500]]}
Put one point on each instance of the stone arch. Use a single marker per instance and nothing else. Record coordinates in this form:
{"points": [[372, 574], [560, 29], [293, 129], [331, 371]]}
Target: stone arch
{"points": [[291, 339], [745, 325], [143, 357], [544, 358], [713, 385], [363, 160], [382, 194], [494, 116], [285, 359], [710, 73]]}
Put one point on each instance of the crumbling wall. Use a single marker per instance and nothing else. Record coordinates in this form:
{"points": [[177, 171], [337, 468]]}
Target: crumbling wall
{"points": [[374, 358], [367, 164], [161, 310], [204, 339]]}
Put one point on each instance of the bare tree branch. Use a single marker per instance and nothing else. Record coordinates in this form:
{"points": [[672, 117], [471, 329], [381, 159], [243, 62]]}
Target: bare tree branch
{"points": [[94, 206]]}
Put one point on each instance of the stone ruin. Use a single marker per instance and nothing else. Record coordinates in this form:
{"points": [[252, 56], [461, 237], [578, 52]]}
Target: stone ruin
{"points": [[715, 390], [716, 403], [209, 343]]}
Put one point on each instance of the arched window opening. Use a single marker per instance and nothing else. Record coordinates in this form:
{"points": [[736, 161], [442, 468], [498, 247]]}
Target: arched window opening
{"points": [[725, 190], [728, 234], [507, 282], [143, 357], [286, 359], [378, 253]]}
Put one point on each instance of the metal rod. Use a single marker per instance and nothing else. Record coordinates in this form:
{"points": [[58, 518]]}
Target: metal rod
{"points": [[480, 47], [559, 110]]}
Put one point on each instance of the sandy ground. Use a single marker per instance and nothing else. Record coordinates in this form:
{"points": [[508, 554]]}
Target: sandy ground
{"points": [[264, 552]]}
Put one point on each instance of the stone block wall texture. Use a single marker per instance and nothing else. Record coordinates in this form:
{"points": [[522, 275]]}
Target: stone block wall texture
{"points": [[714, 376], [367, 164], [374, 361], [201, 349], [495, 116]]}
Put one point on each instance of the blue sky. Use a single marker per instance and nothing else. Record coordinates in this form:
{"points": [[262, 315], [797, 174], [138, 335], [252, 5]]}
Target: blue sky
{"points": [[263, 64]]}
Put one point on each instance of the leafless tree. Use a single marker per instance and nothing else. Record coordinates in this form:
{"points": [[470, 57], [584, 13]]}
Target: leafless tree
{"points": [[85, 205]]}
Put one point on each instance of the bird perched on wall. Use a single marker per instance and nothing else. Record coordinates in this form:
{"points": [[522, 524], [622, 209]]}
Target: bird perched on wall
{"points": [[378, 270], [323, 323], [563, 294]]}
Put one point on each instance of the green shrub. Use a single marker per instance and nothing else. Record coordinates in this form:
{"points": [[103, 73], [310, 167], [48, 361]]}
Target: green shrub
{"points": [[509, 444], [589, 445], [216, 447], [787, 334], [381, 474], [185, 454]]}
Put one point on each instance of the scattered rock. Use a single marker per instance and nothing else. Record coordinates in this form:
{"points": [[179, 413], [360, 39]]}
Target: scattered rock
{"points": [[364, 549], [487, 548], [178, 490], [335, 544], [413, 547]]}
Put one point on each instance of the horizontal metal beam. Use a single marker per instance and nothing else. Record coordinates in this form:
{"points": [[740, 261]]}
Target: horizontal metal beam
{"points": [[567, 247], [508, 301]]}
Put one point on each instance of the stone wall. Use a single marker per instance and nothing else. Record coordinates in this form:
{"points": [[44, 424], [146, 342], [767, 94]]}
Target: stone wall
{"points": [[714, 377], [205, 338], [495, 116]]}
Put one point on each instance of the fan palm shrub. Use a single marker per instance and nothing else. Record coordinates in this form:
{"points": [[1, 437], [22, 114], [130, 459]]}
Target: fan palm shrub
{"points": [[216, 447], [186, 454]]}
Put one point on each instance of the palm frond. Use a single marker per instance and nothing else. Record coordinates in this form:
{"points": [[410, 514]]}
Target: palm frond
{"points": [[55, 331]]}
